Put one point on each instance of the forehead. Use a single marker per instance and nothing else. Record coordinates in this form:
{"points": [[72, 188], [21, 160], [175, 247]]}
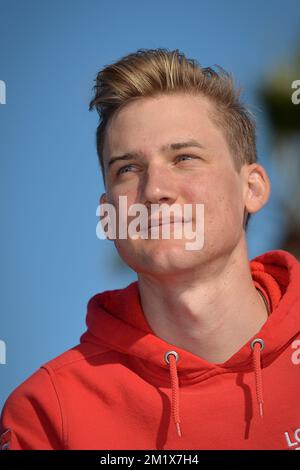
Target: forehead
{"points": [[146, 124]]}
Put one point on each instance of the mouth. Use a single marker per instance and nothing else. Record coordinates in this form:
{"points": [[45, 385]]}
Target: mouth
{"points": [[158, 222]]}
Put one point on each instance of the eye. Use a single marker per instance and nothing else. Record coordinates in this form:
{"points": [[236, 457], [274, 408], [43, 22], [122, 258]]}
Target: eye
{"points": [[122, 169], [179, 157]]}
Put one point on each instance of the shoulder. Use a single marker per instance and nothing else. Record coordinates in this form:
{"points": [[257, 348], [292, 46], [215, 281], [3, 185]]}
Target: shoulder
{"points": [[77, 355], [44, 378], [34, 412]]}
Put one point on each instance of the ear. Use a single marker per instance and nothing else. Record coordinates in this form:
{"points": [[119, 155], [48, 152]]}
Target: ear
{"points": [[103, 200], [257, 187]]}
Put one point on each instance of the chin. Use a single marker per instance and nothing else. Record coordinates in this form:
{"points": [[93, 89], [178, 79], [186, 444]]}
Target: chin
{"points": [[159, 256]]}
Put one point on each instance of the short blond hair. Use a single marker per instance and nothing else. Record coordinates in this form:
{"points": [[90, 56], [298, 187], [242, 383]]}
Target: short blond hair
{"points": [[154, 72]]}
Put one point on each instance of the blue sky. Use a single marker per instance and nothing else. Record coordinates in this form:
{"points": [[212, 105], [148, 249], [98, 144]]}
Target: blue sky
{"points": [[50, 52]]}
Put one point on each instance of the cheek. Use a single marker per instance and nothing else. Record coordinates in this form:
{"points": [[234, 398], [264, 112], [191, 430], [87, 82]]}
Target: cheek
{"points": [[220, 194], [233, 195], [123, 200], [195, 189], [128, 197], [202, 190]]}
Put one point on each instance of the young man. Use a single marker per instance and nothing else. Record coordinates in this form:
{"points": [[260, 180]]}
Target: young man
{"points": [[203, 350]]}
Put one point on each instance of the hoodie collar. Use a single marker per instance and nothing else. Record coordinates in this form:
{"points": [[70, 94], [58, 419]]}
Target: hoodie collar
{"points": [[116, 318]]}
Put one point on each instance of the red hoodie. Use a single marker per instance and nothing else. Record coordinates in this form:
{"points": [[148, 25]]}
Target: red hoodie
{"points": [[119, 388]]}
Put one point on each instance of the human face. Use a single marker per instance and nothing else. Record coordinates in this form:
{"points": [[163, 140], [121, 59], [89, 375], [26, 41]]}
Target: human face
{"points": [[203, 175]]}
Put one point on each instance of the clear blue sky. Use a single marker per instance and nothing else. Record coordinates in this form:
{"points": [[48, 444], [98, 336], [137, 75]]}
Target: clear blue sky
{"points": [[50, 52]]}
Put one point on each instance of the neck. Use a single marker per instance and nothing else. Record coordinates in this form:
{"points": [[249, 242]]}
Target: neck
{"points": [[211, 314]]}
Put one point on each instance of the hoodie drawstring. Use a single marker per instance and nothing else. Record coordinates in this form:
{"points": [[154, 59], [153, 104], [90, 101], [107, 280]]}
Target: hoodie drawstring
{"points": [[257, 345], [175, 387]]}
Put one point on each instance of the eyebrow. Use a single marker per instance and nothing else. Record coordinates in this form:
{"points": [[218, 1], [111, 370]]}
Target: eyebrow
{"points": [[164, 148]]}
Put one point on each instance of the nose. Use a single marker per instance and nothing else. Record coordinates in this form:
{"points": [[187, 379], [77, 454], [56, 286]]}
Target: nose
{"points": [[158, 186]]}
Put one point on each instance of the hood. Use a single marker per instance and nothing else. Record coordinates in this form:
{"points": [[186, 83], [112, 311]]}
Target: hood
{"points": [[115, 320]]}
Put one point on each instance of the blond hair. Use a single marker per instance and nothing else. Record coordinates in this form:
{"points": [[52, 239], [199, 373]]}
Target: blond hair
{"points": [[153, 72]]}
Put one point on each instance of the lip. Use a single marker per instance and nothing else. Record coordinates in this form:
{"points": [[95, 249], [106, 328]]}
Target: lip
{"points": [[158, 222]]}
